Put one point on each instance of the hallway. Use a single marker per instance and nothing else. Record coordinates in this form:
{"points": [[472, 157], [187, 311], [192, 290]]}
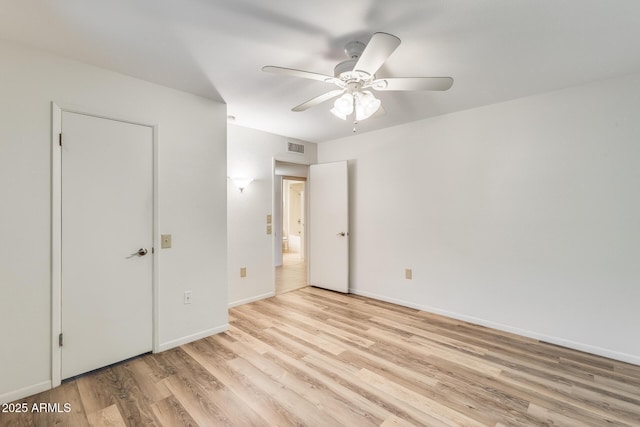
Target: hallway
{"points": [[292, 274]]}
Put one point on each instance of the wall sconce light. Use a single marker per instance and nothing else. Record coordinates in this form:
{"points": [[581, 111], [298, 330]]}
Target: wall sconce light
{"points": [[241, 182]]}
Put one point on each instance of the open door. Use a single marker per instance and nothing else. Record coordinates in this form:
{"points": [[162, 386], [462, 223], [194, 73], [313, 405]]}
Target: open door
{"points": [[329, 226]]}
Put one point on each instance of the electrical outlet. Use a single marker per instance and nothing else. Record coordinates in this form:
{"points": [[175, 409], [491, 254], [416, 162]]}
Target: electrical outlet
{"points": [[408, 273], [243, 271], [187, 297], [268, 229], [269, 218]]}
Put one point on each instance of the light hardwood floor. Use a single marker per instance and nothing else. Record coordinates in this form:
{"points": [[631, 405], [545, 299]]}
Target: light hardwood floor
{"points": [[292, 274], [318, 358]]}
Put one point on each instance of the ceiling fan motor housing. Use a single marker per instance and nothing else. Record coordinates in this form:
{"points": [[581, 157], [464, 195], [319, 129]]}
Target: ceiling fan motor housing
{"points": [[344, 70], [344, 67], [354, 49]]}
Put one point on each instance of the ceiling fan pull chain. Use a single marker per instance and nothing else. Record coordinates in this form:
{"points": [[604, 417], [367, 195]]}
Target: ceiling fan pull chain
{"points": [[355, 117]]}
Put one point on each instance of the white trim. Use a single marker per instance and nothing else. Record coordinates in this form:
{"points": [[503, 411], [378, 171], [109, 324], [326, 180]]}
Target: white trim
{"points": [[599, 351], [285, 159], [69, 108], [193, 337], [252, 299], [56, 244], [155, 285], [25, 392], [56, 234]]}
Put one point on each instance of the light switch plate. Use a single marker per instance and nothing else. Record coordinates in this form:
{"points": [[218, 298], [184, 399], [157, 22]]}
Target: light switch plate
{"points": [[165, 241], [408, 274], [243, 271]]}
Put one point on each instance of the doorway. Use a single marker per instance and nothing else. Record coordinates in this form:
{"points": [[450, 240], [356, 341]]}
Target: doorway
{"points": [[290, 233], [103, 216], [292, 274]]}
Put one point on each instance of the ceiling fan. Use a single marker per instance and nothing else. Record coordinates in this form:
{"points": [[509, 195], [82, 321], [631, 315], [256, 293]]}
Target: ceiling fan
{"points": [[356, 76]]}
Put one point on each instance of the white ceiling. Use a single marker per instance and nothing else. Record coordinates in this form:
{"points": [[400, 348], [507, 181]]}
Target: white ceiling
{"points": [[494, 49]]}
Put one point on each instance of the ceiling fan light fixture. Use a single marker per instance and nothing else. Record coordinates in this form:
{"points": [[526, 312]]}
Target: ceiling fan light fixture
{"points": [[366, 105], [344, 104], [338, 114]]}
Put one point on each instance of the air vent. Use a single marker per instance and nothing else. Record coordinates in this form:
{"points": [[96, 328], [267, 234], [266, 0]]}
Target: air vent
{"points": [[295, 148]]}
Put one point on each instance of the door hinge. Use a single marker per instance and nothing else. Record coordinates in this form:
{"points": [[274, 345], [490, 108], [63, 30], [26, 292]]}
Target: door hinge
{"points": [[153, 250], [60, 340], [60, 139]]}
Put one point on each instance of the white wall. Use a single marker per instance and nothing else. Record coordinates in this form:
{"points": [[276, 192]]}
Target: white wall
{"points": [[192, 197], [251, 153], [522, 216]]}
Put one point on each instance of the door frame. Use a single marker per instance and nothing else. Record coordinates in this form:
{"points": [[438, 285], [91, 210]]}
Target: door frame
{"points": [[56, 232]]}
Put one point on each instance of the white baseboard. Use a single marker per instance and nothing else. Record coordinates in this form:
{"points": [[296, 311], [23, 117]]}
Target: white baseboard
{"points": [[252, 299], [611, 354], [25, 392], [193, 337]]}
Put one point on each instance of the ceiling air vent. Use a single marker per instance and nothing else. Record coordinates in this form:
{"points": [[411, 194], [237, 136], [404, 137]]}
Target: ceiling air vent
{"points": [[292, 147]]}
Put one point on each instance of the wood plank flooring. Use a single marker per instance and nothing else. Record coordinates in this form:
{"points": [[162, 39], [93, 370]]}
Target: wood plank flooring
{"points": [[318, 358], [292, 274]]}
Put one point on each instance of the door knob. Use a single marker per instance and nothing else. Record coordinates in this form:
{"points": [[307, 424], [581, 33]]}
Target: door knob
{"points": [[141, 252]]}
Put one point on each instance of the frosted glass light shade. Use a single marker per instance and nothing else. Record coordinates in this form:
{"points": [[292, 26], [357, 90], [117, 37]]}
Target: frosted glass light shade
{"points": [[344, 104], [366, 105]]}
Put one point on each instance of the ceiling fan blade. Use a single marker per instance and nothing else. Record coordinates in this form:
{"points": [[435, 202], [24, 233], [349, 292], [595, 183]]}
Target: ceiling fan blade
{"points": [[298, 73], [380, 47], [318, 100], [412, 83]]}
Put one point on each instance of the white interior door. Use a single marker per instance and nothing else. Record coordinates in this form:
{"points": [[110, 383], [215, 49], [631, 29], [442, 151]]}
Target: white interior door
{"points": [[329, 226], [107, 218]]}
